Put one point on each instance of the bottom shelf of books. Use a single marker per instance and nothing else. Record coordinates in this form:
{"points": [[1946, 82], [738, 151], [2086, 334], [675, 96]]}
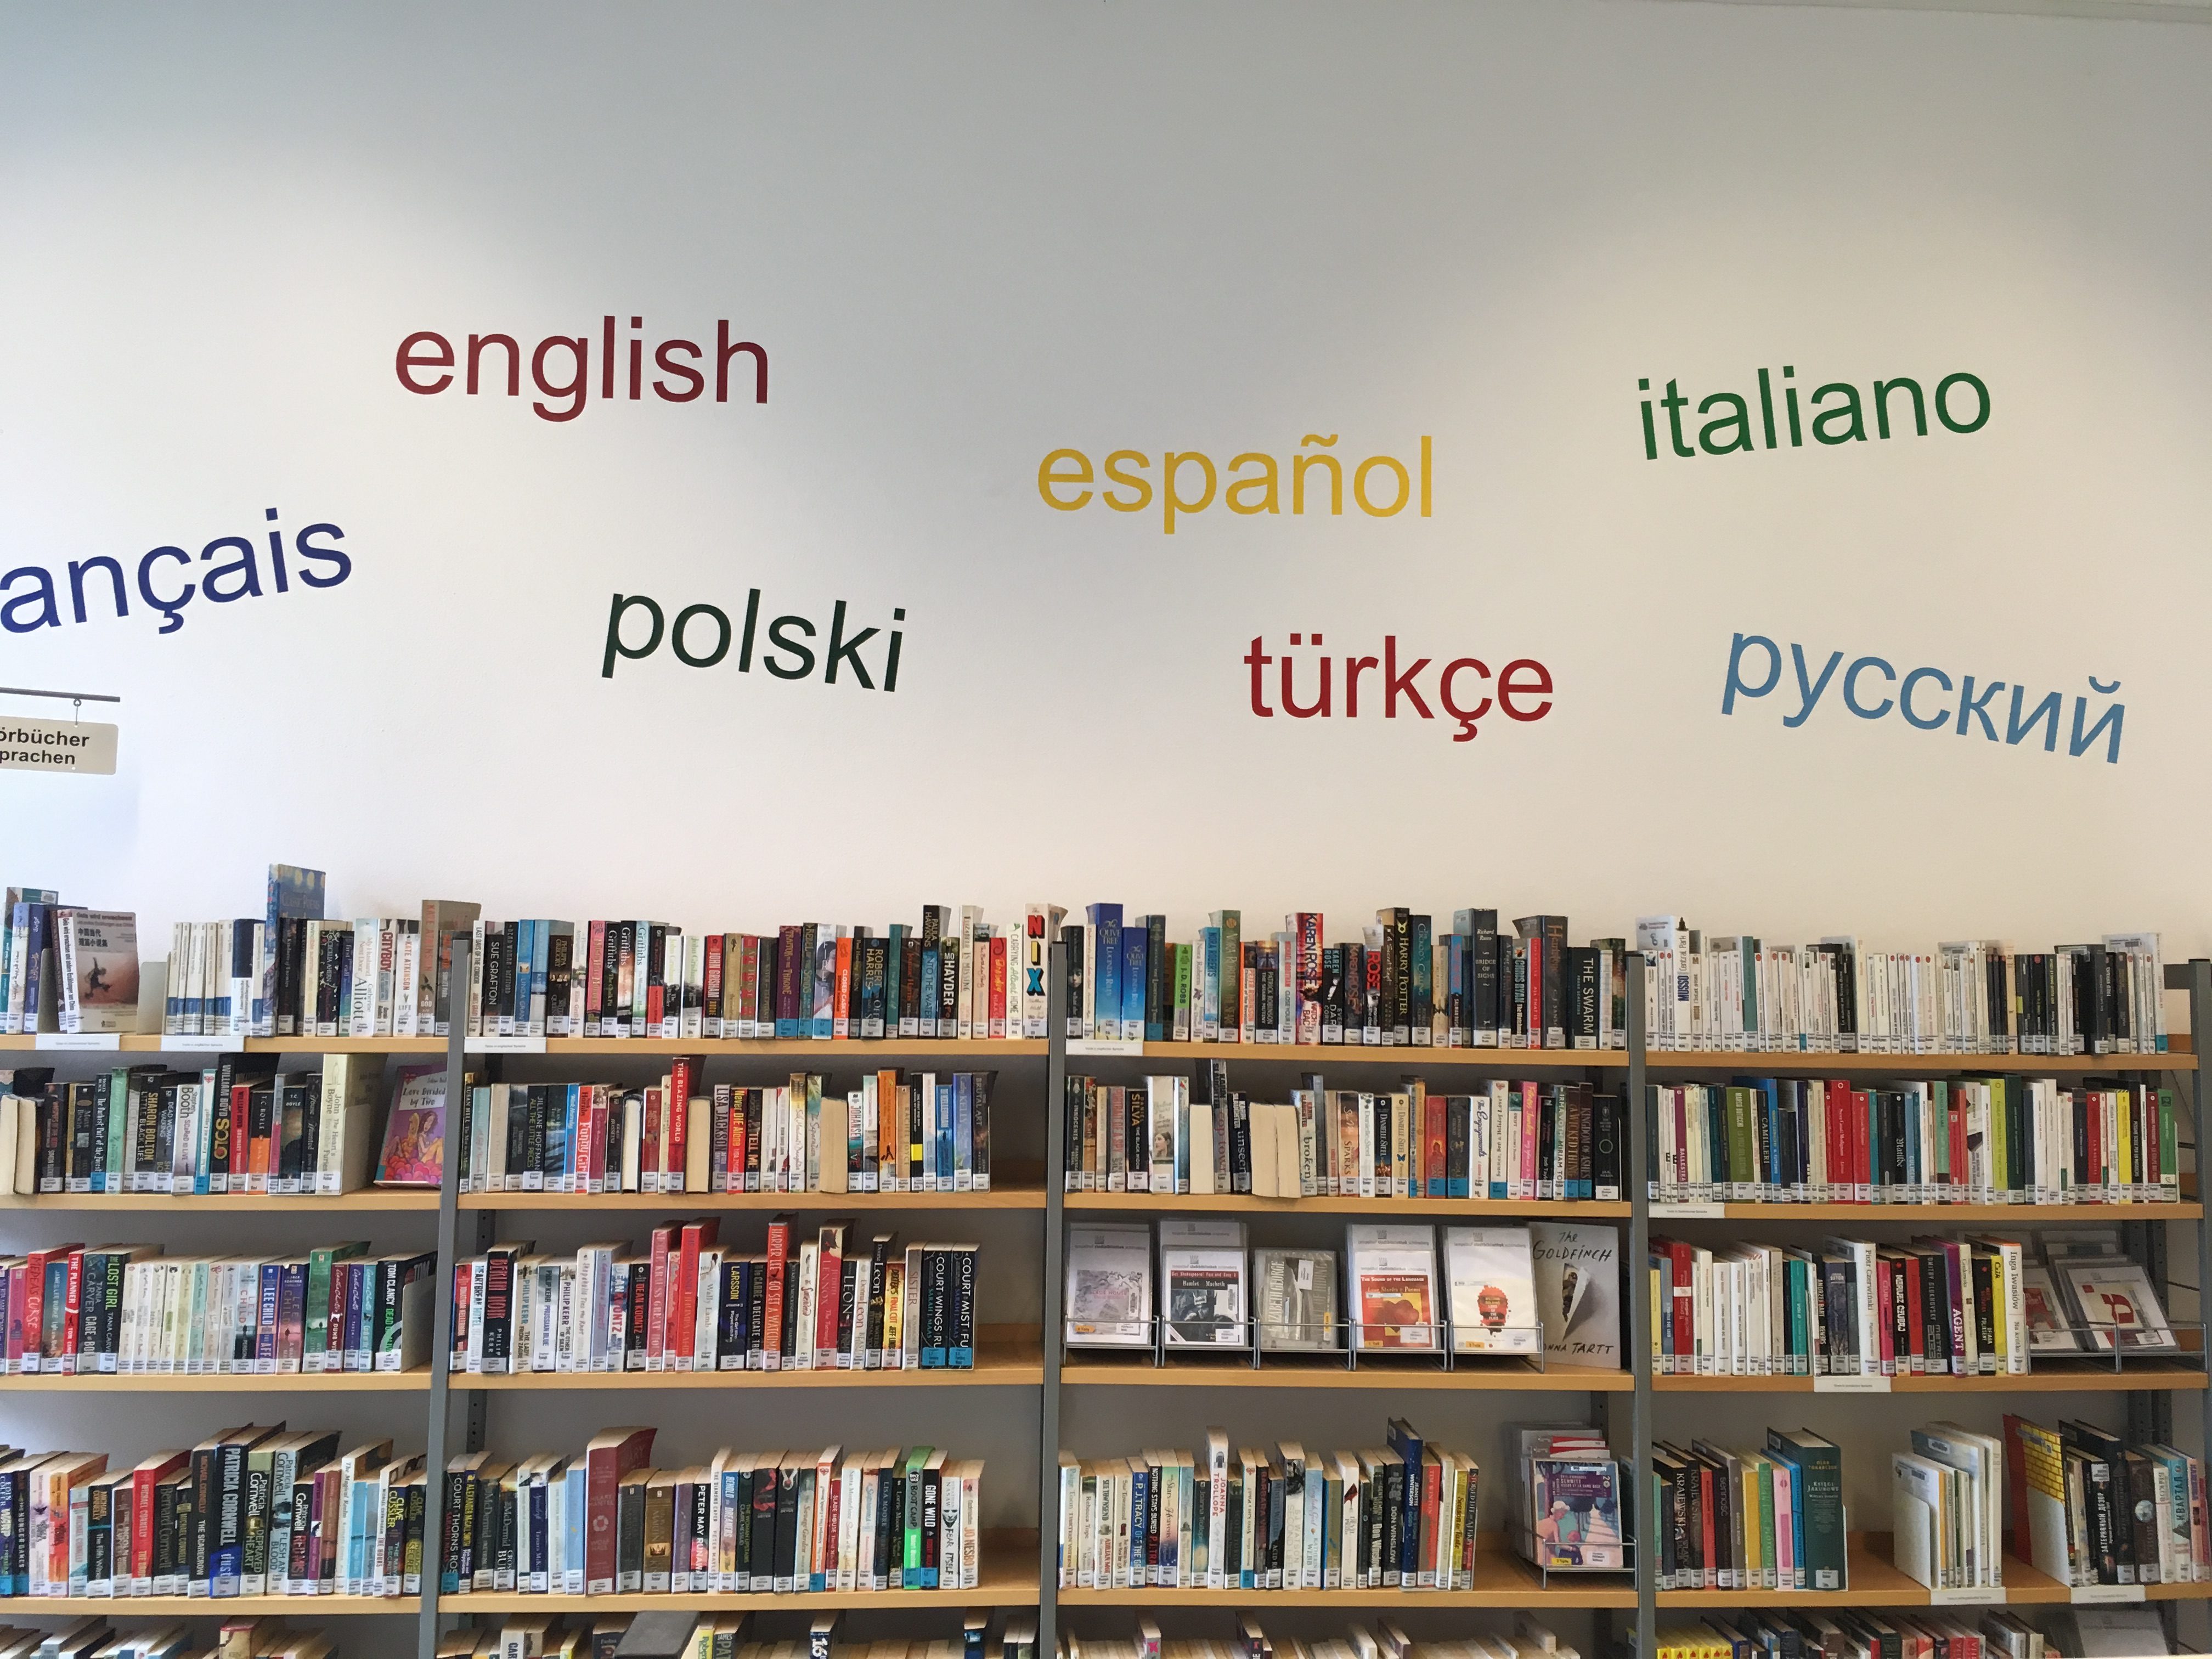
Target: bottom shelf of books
{"points": [[1875, 1581]]}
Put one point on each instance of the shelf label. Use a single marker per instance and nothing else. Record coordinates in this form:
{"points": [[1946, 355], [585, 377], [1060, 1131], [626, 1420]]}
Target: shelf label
{"points": [[1130, 1048], [2085, 1596], [69, 748], [1979, 1595], [202, 1045], [1689, 1212], [79, 1042], [504, 1045], [1860, 1384]]}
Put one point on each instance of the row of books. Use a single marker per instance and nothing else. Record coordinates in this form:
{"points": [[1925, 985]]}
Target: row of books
{"points": [[1733, 992], [1947, 1500], [1969, 1306], [607, 1521], [812, 1299], [2091, 1508], [1504, 1141], [1967, 1140], [899, 1131], [249, 1511], [1771, 1517], [64, 968], [657, 1635], [1853, 1633], [1403, 983], [1530, 1639], [228, 1126], [1402, 1515], [128, 1309], [1545, 1288], [96, 1637]]}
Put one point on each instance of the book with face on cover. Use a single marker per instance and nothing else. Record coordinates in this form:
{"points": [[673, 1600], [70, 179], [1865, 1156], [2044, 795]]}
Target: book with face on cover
{"points": [[1202, 1284], [1297, 1292], [1109, 1287], [1578, 1292], [1391, 1272], [1491, 1280]]}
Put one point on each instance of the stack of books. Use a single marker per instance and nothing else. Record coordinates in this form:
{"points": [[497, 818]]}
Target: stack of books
{"points": [[229, 1126], [1968, 1140], [717, 1636], [899, 1131], [1397, 1516], [605, 1522], [248, 1511], [1503, 1141], [2089, 1509], [1566, 1514], [1405, 982], [823, 1299], [128, 1309], [1734, 993], [1787, 1495], [1848, 1634], [1948, 1509]]}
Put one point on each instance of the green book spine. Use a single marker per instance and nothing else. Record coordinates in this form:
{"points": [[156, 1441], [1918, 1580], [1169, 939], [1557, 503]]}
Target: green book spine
{"points": [[1183, 1019], [2169, 1170], [1801, 1333], [1232, 976], [1766, 1547], [1743, 1138], [118, 1111], [2000, 1136]]}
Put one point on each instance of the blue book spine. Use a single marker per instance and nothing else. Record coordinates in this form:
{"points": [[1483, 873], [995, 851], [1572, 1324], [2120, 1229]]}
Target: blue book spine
{"points": [[1205, 994], [572, 1548], [1456, 983], [541, 961], [525, 938], [1135, 943], [264, 1334], [946, 1109], [1140, 1490], [928, 989], [1106, 964], [963, 1128]]}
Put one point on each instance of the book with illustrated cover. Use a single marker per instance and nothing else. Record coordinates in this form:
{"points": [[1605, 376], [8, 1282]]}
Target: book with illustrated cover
{"points": [[2115, 1301], [1577, 1506], [98, 978], [414, 1151], [1202, 1284], [2050, 1327], [1392, 1275], [1109, 1287], [1491, 1281], [1578, 1292], [1297, 1292]]}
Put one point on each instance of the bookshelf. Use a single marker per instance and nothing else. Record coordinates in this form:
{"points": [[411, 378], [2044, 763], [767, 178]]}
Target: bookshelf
{"points": [[1023, 1367]]}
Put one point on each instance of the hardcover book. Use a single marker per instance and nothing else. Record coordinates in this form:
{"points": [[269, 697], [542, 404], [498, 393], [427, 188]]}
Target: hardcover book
{"points": [[1492, 1287]]}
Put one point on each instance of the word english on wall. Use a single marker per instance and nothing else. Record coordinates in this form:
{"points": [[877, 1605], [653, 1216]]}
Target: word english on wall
{"points": [[1382, 486], [1922, 698], [700, 637], [1462, 686], [428, 363]]}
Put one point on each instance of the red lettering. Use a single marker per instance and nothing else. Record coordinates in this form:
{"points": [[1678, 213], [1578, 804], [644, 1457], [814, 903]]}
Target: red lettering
{"points": [[660, 362], [725, 349], [1258, 660], [408, 360], [1509, 689], [1394, 682]]}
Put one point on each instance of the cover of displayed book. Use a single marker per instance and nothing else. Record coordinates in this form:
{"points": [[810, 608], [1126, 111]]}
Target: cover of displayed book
{"points": [[1297, 1300], [414, 1151], [2117, 1305], [99, 978], [1393, 1287], [1578, 1507], [1109, 1287], [1578, 1292], [1493, 1290], [1202, 1283]]}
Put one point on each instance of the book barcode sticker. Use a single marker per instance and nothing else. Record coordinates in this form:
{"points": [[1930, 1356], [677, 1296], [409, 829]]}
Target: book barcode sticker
{"points": [[504, 1045], [201, 1045], [2083, 1595], [1689, 1211], [1973, 1595], [1132, 1047], [1859, 1384], [78, 1042]]}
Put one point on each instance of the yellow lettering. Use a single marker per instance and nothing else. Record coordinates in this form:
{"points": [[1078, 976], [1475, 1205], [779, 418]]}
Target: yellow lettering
{"points": [[1049, 475], [1170, 502], [1114, 474], [1264, 484], [1359, 487]]}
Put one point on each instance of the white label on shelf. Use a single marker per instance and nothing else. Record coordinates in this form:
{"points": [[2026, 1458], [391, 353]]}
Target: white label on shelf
{"points": [[201, 1045], [79, 1042], [1133, 1048], [1860, 1384], [504, 1045], [1689, 1212], [1979, 1595], [2085, 1596]]}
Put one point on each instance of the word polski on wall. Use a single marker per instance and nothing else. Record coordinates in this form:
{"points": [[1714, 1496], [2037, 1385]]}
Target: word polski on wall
{"points": [[95, 582], [700, 636], [1922, 696]]}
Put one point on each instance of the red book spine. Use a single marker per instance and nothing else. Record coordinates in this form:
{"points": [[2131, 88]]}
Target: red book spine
{"points": [[70, 1309], [649, 1154], [656, 1312], [1883, 1274], [2095, 1173], [779, 1248], [34, 1309], [683, 1304], [840, 1010], [710, 990], [680, 1119], [1956, 1112], [829, 1278], [998, 986], [1686, 1305], [17, 1277], [1433, 1137]]}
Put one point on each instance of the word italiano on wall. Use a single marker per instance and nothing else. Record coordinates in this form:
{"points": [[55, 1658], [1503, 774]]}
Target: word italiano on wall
{"points": [[1836, 414]]}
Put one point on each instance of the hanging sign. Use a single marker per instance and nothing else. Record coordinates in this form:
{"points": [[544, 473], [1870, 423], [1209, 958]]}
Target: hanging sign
{"points": [[82, 747]]}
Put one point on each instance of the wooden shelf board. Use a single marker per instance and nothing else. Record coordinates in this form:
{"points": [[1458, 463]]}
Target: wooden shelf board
{"points": [[1006, 1578], [1017, 1364], [202, 1607], [1756, 1063], [1410, 1057], [2049, 1376], [1378, 1208], [1025, 1197], [1949, 1214], [1502, 1579], [1876, 1583], [368, 1198], [225, 1382], [1321, 1371]]}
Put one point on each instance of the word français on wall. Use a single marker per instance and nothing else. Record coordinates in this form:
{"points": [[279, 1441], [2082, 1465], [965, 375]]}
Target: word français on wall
{"points": [[1921, 696], [1382, 486], [700, 636], [428, 362], [1459, 684], [1838, 415], [240, 575]]}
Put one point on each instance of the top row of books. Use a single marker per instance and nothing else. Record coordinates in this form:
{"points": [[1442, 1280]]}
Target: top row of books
{"points": [[1406, 980]]}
